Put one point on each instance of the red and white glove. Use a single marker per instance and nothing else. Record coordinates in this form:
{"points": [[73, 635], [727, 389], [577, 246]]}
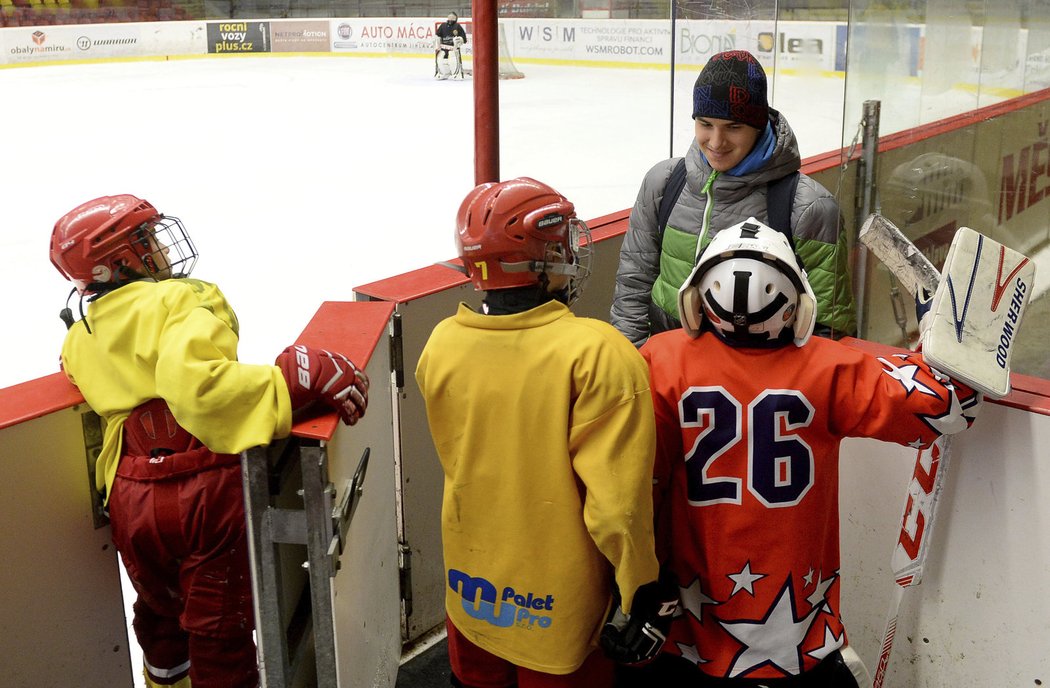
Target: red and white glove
{"points": [[331, 378]]}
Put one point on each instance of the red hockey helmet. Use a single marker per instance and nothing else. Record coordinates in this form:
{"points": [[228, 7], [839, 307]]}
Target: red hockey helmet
{"points": [[114, 239], [517, 232]]}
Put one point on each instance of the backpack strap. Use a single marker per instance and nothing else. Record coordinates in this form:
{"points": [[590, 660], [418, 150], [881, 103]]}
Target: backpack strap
{"points": [[673, 189], [780, 197]]}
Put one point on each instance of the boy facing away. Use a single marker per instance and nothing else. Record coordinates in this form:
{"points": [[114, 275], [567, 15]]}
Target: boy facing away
{"points": [[543, 423], [750, 412]]}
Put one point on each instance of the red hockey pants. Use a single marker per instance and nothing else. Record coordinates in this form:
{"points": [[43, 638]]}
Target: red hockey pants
{"points": [[178, 523], [473, 667]]}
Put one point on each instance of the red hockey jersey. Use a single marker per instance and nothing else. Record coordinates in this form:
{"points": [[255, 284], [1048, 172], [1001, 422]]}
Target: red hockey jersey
{"points": [[747, 474]]}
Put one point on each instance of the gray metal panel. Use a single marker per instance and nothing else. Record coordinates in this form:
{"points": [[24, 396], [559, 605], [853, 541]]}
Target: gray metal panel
{"points": [[366, 595], [598, 291], [60, 600], [979, 616], [421, 477]]}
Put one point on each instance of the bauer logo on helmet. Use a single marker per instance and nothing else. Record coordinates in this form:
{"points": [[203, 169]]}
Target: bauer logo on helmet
{"points": [[550, 220]]}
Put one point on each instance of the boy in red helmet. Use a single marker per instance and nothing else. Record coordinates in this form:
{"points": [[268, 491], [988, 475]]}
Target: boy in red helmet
{"points": [[543, 423], [156, 356]]}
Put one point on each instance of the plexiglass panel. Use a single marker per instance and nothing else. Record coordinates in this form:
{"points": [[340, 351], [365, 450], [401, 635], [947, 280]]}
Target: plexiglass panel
{"points": [[798, 44], [608, 93], [945, 163]]}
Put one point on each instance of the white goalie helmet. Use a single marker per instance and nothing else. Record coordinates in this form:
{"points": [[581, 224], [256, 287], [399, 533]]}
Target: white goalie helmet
{"points": [[748, 284]]}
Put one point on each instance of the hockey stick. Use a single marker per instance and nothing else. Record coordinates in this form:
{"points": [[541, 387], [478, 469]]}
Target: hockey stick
{"points": [[909, 555], [962, 340], [920, 278], [914, 271]]}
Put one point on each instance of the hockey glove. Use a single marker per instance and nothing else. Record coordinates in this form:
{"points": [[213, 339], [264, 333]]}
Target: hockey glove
{"points": [[638, 637], [331, 378], [923, 302], [964, 403]]}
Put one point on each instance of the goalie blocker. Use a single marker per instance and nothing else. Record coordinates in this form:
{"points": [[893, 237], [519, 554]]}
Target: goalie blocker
{"points": [[979, 299], [972, 327]]}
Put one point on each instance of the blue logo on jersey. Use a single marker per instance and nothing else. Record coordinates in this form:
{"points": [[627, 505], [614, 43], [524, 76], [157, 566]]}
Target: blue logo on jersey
{"points": [[480, 601]]}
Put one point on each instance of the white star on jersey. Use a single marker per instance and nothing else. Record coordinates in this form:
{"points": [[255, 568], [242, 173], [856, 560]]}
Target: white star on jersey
{"points": [[906, 376], [745, 580], [819, 596], [689, 652], [831, 643], [694, 599], [775, 640]]}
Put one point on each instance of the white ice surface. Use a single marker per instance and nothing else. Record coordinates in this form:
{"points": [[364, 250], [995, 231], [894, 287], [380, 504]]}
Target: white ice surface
{"points": [[300, 178]]}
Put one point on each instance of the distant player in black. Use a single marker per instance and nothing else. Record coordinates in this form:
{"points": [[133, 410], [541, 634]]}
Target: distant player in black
{"points": [[447, 58]]}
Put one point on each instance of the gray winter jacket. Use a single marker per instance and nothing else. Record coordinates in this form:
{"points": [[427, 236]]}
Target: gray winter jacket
{"points": [[653, 265]]}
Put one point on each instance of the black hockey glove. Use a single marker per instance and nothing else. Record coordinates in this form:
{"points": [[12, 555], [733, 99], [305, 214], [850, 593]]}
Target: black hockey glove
{"points": [[923, 303], [637, 638]]}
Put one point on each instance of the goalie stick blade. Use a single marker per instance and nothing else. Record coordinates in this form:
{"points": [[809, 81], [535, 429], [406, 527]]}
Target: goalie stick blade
{"points": [[887, 638], [914, 271], [977, 311]]}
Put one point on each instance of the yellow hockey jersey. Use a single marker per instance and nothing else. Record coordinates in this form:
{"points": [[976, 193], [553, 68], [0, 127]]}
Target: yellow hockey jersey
{"points": [[544, 426], [174, 340]]}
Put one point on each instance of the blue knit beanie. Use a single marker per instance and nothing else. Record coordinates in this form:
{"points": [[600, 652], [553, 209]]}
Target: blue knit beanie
{"points": [[732, 86]]}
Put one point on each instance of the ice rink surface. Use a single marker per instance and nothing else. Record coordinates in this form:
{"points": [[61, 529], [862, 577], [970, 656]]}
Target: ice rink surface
{"points": [[300, 178]]}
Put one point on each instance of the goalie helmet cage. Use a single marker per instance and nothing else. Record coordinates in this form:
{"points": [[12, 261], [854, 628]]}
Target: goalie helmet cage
{"points": [[507, 68]]}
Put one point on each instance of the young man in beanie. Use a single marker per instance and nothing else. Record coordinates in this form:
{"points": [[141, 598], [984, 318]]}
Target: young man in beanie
{"points": [[742, 163]]}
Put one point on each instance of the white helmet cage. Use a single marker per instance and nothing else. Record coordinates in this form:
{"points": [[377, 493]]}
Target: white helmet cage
{"points": [[166, 249], [749, 286], [580, 247]]}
